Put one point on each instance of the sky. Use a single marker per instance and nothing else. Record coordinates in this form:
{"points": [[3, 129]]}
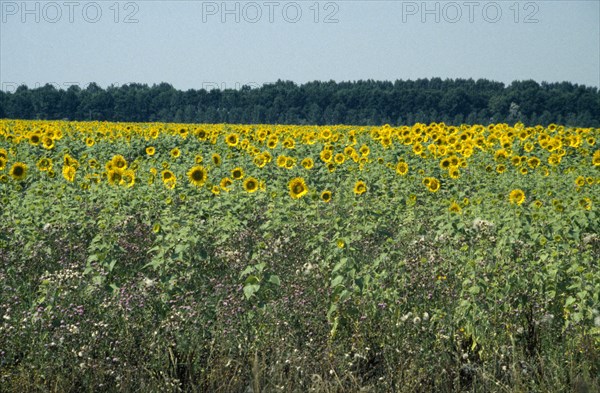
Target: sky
{"points": [[227, 44]]}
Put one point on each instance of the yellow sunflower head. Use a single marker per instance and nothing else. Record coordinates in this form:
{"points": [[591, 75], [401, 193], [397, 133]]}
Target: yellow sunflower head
{"points": [[517, 197], [360, 187], [232, 139], [297, 187], [402, 168], [455, 208], [237, 173], [216, 159], [69, 173], [251, 184], [326, 196], [197, 175], [226, 183], [18, 171], [307, 163], [119, 162]]}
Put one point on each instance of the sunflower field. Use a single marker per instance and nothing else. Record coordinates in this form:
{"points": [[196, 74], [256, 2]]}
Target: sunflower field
{"points": [[262, 258]]}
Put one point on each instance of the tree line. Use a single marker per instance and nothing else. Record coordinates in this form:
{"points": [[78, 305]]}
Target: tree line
{"points": [[453, 101]]}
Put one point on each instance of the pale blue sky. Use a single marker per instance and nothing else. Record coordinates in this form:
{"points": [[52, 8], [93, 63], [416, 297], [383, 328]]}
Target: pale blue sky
{"points": [[195, 44]]}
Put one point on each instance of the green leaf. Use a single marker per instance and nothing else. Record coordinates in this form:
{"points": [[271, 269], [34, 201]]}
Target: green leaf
{"points": [[339, 265], [274, 279], [112, 265], [474, 290], [250, 290], [337, 281], [247, 270], [251, 280]]}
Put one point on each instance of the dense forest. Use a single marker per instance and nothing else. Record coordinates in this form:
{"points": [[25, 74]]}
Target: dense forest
{"points": [[453, 101]]}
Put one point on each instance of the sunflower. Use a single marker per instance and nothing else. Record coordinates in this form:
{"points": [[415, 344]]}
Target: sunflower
{"points": [[260, 161], [325, 156], [150, 150], [201, 134], [554, 159], [69, 172], [175, 152], [226, 183], [168, 176], [89, 141], [114, 177], [43, 164], [580, 181], [18, 171], [272, 142], [516, 197], [197, 175], [290, 162], [216, 159], [364, 150], [402, 168], [325, 134], [34, 139], [170, 184], [307, 163], [445, 163], [232, 139], [297, 187], [326, 196], [268, 157], [237, 173], [281, 161], [289, 143], [127, 178], [70, 161], [360, 187], [183, 132], [533, 162], [250, 184], [47, 143], [455, 208], [501, 155], [585, 203], [454, 173], [431, 183], [339, 158], [119, 162], [596, 158]]}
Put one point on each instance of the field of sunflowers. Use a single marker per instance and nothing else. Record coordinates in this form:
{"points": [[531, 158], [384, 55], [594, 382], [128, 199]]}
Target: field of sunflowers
{"points": [[249, 258]]}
